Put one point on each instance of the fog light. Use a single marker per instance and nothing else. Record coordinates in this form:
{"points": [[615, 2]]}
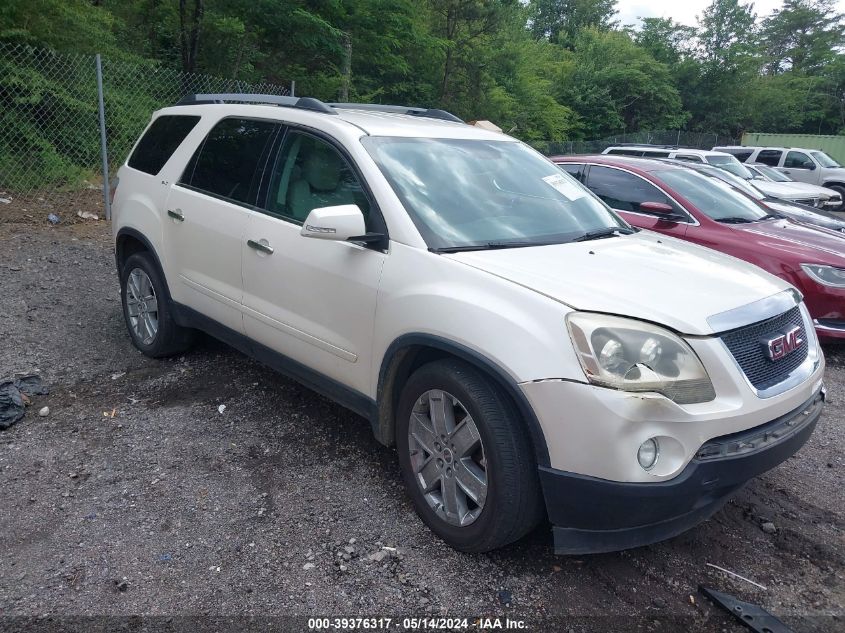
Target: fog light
{"points": [[648, 453]]}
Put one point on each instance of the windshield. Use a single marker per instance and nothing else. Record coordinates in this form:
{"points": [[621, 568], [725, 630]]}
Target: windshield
{"points": [[732, 180], [731, 164], [465, 193], [772, 174], [824, 160], [714, 198]]}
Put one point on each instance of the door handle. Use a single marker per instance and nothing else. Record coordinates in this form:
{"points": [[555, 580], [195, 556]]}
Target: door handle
{"points": [[260, 245], [176, 214]]}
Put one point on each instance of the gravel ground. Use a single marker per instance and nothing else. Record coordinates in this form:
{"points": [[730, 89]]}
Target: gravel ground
{"points": [[137, 495]]}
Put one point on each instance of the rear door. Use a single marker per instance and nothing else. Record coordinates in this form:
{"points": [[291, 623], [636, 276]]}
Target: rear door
{"points": [[626, 192], [312, 300], [207, 212]]}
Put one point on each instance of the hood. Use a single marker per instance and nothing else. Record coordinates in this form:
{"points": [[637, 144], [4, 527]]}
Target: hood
{"points": [[799, 243], [801, 213], [787, 190], [806, 187], [645, 276], [833, 173]]}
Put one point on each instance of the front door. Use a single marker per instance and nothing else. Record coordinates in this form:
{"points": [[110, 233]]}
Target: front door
{"points": [[799, 166], [207, 212], [311, 300], [626, 192]]}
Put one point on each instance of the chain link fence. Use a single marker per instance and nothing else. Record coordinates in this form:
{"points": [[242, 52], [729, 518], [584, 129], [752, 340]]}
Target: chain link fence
{"points": [[50, 140], [697, 140]]}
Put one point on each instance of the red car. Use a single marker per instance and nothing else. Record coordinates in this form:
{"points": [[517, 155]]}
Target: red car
{"points": [[677, 201]]}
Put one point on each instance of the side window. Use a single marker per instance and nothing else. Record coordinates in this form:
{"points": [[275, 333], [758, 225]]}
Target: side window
{"points": [[160, 141], [689, 158], [573, 169], [626, 152], [769, 157], [798, 160], [623, 191], [308, 173], [225, 164], [654, 154], [742, 155]]}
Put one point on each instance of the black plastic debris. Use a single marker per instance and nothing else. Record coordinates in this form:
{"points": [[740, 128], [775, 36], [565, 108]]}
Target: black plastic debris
{"points": [[31, 385], [12, 402], [754, 617]]}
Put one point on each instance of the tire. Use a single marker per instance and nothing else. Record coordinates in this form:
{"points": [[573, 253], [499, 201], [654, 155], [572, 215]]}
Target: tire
{"points": [[512, 505], [841, 191], [158, 335]]}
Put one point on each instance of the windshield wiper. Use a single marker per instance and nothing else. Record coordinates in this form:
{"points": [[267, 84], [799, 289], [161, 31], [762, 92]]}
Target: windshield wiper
{"points": [[734, 220], [609, 231], [488, 246], [771, 216]]}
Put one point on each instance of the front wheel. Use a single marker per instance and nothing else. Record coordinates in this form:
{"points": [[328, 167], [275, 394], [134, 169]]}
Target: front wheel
{"points": [[466, 459]]}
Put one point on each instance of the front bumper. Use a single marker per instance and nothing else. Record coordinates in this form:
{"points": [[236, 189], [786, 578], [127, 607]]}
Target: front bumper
{"points": [[592, 515], [826, 305]]}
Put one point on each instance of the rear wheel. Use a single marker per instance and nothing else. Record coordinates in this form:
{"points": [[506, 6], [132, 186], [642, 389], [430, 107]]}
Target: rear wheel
{"points": [[465, 458], [147, 312]]}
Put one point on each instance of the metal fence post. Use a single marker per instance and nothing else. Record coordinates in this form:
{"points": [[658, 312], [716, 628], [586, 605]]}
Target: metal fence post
{"points": [[293, 88], [103, 143]]}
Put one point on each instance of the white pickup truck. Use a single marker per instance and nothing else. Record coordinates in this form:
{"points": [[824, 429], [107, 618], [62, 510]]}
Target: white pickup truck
{"points": [[805, 165]]}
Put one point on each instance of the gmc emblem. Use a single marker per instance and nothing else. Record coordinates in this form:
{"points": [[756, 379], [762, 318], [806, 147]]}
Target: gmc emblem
{"points": [[783, 344]]}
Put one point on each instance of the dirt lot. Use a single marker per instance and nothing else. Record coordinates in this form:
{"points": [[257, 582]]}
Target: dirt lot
{"points": [[136, 495]]}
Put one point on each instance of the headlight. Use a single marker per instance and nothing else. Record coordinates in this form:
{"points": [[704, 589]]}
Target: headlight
{"points": [[633, 355], [826, 275]]}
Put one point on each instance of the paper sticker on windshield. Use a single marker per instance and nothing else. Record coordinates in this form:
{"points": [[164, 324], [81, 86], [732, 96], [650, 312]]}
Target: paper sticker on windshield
{"points": [[565, 186]]}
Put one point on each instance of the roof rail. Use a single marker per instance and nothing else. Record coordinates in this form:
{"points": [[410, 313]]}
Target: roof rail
{"points": [[654, 145], [315, 105], [429, 113], [303, 103]]}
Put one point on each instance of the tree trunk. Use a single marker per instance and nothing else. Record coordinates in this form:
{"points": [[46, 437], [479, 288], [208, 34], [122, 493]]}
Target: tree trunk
{"points": [[346, 71], [189, 33]]}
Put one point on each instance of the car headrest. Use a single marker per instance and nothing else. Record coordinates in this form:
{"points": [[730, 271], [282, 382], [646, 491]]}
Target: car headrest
{"points": [[321, 169]]}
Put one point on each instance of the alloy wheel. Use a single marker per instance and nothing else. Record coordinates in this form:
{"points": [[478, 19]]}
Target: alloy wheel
{"points": [[447, 457], [142, 306]]}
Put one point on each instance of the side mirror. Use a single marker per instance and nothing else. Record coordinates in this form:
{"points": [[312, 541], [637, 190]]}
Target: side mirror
{"points": [[334, 223], [657, 207]]}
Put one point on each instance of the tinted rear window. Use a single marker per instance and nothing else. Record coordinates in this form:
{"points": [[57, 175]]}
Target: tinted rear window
{"points": [[160, 141], [742, 155], [225, 164], [769, 157]]}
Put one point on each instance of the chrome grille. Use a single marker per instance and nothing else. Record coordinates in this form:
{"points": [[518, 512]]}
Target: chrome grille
{"points": [[747, 344]]}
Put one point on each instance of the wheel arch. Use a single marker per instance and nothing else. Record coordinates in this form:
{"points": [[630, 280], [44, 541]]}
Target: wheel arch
{"points": [[411, 351], [130, 241], [834, 183]]}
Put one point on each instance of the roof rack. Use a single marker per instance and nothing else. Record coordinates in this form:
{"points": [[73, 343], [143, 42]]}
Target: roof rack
{"points": [[314, 105], [654, 145], [429, 113], [303, 103]]}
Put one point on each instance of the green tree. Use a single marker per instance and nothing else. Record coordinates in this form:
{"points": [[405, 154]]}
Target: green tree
{"points": [[614, 85], [560, 21], [802, 36], [666, 40]]}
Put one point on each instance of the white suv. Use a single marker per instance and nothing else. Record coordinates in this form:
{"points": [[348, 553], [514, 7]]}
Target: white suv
{"points": [[526, 350], [700, 156]]}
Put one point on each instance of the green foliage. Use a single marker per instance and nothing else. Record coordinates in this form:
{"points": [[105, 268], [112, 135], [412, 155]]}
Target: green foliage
{"points": [[561, 21], [547, 71], [615, 86]]}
